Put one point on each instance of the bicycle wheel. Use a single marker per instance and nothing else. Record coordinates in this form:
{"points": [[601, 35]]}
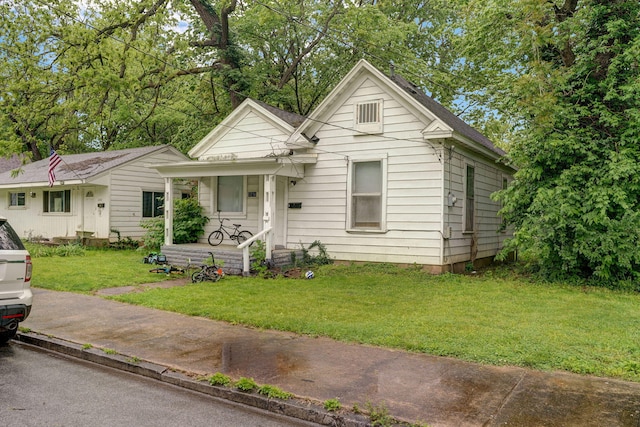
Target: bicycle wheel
{"points": [[197, 277], [215, 238], [244, 236], [211, 273], [158, 270]]}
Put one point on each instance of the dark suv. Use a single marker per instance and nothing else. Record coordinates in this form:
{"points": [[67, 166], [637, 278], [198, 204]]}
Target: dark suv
{"points": [[15, 277]]}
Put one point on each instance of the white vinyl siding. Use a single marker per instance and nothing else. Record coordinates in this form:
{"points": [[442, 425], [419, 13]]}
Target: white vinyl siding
{"points": [[412, 195], [250, 138], [124, 197]]}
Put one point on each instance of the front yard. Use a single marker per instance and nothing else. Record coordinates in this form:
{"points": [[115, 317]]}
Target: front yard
{"points": [[495, 317]]}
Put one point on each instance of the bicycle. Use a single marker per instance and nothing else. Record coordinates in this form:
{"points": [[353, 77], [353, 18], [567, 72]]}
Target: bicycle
{"points": [[210, 273], [167, 269], [216, 236]]}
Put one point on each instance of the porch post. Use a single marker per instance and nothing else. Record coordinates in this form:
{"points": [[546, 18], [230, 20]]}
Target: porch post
{"points": [[168, 211], [269, 210]]}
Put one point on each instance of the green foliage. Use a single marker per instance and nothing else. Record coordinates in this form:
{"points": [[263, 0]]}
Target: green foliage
{"points": [[379, 415], [317, 257], [575, 201], [68, 250], [258, 253], [245, 384], [332, 405], [126, 243], [189, 221], [219, 379], [274, 392], [188, 224]]}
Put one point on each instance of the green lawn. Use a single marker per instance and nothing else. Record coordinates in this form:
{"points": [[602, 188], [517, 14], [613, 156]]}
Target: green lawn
{"points": [[494, 318]]}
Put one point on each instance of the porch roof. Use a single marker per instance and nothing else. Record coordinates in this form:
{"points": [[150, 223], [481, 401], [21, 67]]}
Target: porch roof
{"points": [[290, 166]]}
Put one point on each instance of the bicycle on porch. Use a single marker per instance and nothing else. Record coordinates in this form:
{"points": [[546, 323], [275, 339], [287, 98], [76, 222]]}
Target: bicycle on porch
{"points": [[217, 236]]}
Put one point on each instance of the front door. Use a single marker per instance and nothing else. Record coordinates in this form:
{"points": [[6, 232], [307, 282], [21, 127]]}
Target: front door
{"points": [[89, 209]]}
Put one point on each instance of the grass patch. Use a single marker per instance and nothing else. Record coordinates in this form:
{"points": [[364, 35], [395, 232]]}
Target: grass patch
{"points": [[91, 270], [496, 318]]}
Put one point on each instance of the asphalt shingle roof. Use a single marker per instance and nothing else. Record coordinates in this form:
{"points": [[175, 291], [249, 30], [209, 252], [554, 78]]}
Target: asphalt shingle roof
{"points": [[455, 122], [76, 166]]}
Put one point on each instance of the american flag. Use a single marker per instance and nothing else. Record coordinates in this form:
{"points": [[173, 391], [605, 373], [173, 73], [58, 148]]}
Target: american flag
{"points": [[54, 161]]}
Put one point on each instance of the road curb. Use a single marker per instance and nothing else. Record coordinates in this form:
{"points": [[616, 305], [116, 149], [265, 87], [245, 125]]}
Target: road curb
{"points": [[302, 409]]}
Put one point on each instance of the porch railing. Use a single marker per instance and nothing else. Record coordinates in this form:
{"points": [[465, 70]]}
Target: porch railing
{"points": [[245, 249]]}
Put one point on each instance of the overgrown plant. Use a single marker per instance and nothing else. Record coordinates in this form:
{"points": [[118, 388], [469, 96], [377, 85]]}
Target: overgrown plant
{"points": [[332, 405], [308, 259], [120, 243], [219, 379], [259, 255], [246, 384], [274, 392], [188, 224]]}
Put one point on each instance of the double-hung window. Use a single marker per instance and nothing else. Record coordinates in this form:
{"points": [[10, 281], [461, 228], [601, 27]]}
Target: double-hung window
{"points": [[367, 190], [230, 194], [17, 200], [469, 200], [152, 204], [56, 201]]}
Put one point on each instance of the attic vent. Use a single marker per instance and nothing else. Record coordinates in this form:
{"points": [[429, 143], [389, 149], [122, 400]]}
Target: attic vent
{"points": [[368, 117], [368, 113]]}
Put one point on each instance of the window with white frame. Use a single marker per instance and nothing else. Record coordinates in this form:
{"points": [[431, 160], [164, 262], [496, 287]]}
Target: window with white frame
{"points": [[230, 194], [368, 116], [366, 202], [469, 199], [152, 204], [17, 200], [56, 201]]}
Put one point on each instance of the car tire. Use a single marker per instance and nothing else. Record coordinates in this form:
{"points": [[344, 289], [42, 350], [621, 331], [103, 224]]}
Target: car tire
{"points": [[5, 336]]}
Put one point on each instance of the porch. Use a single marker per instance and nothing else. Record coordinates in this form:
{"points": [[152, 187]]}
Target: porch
{"points": [[228, 255]]}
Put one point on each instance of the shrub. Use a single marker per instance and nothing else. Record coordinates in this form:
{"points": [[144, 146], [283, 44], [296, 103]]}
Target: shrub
{"points": [[188, 224]]}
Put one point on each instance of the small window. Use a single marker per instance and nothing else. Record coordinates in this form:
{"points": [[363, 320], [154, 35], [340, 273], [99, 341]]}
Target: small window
{"points": [[17, 200], [56, 201], [503, 222], [368, 117], [152, 204], [230, 194], [366, 201], [469, 199]]}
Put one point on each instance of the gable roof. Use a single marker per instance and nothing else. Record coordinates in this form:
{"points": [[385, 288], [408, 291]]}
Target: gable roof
{"points": [[78, 167], [438, 118], [455, 122], [285, 121]]}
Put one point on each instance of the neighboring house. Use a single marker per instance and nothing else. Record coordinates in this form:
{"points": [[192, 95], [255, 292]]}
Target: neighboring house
{"points": [[94, 193], [379, 172], [13, 162]]}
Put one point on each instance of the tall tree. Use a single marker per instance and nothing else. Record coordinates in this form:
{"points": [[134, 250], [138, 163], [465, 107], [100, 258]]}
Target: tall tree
{"points": [[575, 201]]}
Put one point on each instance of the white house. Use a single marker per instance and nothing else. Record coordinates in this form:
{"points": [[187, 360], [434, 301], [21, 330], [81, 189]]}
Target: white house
{"points": [[378, 172], [94, 193]]}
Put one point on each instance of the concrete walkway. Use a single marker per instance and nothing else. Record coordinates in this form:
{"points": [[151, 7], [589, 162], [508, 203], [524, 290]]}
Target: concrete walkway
{"points": [[416, 388]]}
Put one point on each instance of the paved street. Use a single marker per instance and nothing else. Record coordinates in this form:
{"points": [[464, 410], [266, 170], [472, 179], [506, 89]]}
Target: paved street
{"points": [[40, 388]]}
